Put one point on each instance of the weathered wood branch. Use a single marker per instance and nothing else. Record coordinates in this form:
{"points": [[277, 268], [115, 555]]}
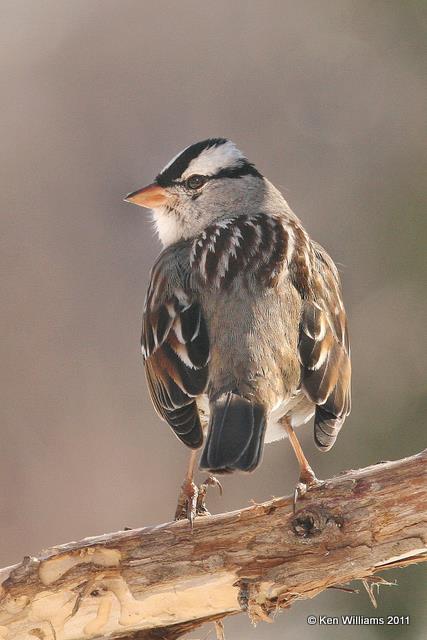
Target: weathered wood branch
{"points": [[160, 582]]}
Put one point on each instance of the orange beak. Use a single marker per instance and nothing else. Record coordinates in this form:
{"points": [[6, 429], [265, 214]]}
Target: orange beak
{"points": [[151, 197]]}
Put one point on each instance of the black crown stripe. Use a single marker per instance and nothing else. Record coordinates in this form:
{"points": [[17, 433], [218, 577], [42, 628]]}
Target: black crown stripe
{"points": [[173, 173], [178, 166]]}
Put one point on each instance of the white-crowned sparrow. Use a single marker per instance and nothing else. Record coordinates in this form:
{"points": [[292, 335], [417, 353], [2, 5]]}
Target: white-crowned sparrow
{"points": [[244, 329]]}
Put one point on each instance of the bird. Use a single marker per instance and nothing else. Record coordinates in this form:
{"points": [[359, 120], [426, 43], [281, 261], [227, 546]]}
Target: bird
{"points": [[244, 331]]}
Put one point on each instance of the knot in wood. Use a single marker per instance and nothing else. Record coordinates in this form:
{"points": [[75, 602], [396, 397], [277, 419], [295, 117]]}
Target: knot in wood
{"points": [[310, 522], [248, 599], [244, 593]]}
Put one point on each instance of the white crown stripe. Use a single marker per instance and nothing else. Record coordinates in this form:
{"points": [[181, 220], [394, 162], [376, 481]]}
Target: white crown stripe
{"points": [[214, 158]]}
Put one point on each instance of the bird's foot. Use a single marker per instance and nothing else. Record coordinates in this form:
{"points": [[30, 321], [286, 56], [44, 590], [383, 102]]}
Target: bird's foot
{"points": [[191, 500], [210, 481], [187, 502], [307, 481]]}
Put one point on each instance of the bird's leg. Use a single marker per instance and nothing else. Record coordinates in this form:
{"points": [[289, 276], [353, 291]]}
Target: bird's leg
{"points": [[188, 497], [191, 500], [307, 476]]}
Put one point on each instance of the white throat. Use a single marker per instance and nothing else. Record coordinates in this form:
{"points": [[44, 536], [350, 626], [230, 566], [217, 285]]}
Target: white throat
{"points": [[168, 227]]}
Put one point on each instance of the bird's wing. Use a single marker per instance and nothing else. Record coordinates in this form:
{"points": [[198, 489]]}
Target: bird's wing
{"points": [[175, 346], [324, 350]]}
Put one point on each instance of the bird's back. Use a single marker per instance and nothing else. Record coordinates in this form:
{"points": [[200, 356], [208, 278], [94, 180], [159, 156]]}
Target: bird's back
{"points": [[253, 333]]}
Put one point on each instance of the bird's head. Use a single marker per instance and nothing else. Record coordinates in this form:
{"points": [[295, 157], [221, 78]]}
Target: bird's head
{"points": [[206, 181]]}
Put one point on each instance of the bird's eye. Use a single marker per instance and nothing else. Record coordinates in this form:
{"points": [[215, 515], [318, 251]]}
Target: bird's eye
{"points": [[195, 181]]}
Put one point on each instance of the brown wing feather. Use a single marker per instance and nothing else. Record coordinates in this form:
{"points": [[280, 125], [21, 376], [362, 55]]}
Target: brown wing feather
{"points": [[175, 346], [324, 351]]}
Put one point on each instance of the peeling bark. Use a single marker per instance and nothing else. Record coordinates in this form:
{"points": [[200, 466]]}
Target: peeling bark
{"points": [[161, 582]]}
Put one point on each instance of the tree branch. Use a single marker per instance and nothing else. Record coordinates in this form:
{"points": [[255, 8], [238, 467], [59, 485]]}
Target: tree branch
{"points": [[163, 581]]}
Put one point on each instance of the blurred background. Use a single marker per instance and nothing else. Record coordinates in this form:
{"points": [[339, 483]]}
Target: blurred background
{"points": [[328, 99]]}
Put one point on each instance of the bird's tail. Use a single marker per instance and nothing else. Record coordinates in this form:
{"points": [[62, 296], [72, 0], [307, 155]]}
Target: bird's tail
{"points": [[236, 435]]}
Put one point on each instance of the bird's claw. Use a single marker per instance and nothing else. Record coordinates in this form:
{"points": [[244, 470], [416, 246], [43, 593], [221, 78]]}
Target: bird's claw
{"points": [[211, 481], [307, 481], [187, 502], [191, 501]]}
